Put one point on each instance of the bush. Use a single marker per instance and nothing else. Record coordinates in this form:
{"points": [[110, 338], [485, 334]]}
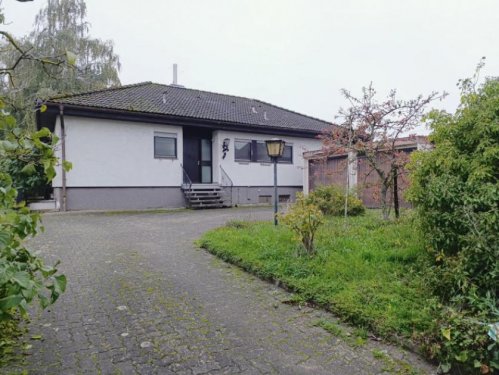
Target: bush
{"points": [[331, 201], [28, 176], [463, 341], [304, 219], [23, 275], [455, 191]]}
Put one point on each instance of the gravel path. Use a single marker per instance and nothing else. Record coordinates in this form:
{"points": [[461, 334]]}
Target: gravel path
{"points": [[142, 299]]}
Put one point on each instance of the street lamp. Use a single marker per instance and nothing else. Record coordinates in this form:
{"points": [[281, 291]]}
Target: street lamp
{"points": [[275, 148]]}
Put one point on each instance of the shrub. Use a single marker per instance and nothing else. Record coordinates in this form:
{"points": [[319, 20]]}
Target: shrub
{"points": [[304, 219], [455, 191], [463, 341], [331, 201], [23, 275]]}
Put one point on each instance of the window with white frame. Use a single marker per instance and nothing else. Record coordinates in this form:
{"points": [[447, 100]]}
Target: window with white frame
{"points": [[165, 145]]}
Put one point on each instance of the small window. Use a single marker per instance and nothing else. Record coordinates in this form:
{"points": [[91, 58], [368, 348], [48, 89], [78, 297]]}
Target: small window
{"points": [[242, 150], [265, 199], [287, 155], [286, 198], [261, 153], [165, 147]]}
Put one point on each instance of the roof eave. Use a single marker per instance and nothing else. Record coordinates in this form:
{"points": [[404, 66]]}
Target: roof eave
{"points": [[156, 118]]}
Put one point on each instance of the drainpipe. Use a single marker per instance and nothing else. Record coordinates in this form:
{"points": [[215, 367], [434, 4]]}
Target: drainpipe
{"points": [[63, 157]]}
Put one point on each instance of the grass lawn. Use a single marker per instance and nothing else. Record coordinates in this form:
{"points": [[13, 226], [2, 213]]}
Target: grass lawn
{"points": [[363, 272]]}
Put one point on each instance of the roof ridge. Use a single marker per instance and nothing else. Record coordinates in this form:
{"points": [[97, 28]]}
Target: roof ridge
{"points": [[245, 97], [114, 88], [297, 113], [205, 91]]}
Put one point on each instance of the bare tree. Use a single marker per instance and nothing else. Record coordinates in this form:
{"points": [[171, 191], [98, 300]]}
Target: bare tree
{"points": [[372, 130]]}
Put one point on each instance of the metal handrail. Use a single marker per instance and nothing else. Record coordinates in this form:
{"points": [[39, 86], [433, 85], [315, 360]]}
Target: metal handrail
{"points": [[186, 181], [226, 182], [225, 176]]}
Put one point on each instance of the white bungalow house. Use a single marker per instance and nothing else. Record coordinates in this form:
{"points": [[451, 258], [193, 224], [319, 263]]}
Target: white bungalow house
{"points": [[152, 146]]}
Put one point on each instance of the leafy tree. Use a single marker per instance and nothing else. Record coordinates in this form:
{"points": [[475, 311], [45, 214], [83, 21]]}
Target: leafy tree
{"points": [[24, 277], [372, 129], [62, 34], [455, 191]]}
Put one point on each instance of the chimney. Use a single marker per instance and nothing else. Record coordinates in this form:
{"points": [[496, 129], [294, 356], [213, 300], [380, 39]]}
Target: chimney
{"points": [[174, 74], [175, 80]]}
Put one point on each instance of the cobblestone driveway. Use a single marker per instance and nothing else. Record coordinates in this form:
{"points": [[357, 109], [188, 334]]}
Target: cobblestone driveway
{"points": [[142, 299]]}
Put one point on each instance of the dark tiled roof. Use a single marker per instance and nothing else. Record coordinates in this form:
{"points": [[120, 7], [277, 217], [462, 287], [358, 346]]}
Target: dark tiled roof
{"points": [[159, 99]]}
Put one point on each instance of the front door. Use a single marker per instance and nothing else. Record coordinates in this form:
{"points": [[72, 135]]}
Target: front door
{"points": [[197, 158]]}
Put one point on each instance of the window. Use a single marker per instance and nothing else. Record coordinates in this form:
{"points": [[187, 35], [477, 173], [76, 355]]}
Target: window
{"points": [[242, 149], [287, 155], [286, 198], [165, 146], [256, 151], [261, 154], [265, 199]]}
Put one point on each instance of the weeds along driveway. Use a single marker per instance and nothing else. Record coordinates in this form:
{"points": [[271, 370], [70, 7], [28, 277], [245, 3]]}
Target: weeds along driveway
{"points": [[143, 299]]}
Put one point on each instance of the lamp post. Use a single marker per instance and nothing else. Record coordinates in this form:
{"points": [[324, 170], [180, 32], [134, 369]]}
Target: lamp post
{"points": [[275, 148]]}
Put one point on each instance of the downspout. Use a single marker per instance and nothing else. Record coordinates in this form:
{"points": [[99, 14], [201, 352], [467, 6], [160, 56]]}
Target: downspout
{"points": [[63, 157]]}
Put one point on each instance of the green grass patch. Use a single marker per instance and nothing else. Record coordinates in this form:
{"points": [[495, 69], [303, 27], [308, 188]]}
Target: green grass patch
{"points": [[363, 272]]}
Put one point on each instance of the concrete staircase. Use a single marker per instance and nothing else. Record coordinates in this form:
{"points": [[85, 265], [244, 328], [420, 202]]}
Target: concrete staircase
{"points": [[205, 196]]}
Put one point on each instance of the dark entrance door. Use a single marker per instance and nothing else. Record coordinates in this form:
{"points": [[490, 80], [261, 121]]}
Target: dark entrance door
{"points": [[197, 156]]}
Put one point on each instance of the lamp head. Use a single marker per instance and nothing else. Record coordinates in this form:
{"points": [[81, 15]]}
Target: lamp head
{"points": [[275, 147]]}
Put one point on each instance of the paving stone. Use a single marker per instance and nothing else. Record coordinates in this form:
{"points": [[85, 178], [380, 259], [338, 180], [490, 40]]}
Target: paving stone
{"points": [[141, 274]]}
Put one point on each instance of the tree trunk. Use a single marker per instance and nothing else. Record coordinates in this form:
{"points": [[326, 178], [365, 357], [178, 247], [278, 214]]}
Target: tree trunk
{"points": [[384, 205], [396, 193]]}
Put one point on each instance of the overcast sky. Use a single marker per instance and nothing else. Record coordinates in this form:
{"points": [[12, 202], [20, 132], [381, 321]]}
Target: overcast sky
{"points": [[295, 53]]}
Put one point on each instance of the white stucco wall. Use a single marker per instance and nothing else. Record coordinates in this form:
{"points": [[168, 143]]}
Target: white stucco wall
{"points": [[107, 153], [260, 174]]}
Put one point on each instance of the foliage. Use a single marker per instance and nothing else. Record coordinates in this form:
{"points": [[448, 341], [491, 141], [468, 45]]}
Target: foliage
{"points": [[371, 274], [460, 340], [237, 224], [365, 273], [373, 129], [23, 275], [455, 190], [24, 157], [72, 61], [304, 218], [331, 201], [10, 331]]}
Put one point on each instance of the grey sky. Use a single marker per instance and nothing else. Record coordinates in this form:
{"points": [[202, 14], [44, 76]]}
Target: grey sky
{"points": [[296, 54]]}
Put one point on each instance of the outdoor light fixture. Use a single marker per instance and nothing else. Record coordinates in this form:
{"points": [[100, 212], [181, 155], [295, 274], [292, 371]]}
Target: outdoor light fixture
{"points": [[225, 147], [275, 148]]}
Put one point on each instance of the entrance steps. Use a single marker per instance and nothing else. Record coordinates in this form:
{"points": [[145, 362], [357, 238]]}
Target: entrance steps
{"points": [[205, 196]]}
